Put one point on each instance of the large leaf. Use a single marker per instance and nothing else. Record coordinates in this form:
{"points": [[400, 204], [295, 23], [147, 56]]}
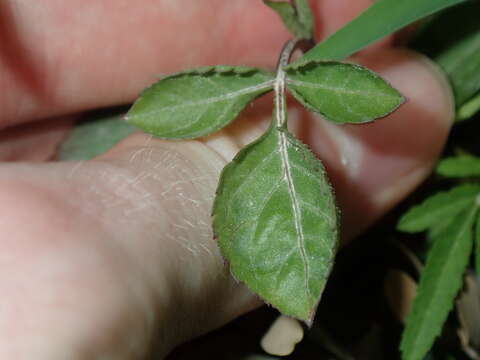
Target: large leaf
{"points": [[379, 20], [457, 52], [343, 93], [297, 16], [94, 136], [276, 222], [198, 102], [439, 208], [439, 283], [460, 166]]}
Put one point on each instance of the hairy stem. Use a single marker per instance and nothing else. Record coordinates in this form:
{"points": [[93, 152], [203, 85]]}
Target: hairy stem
{"points": [[279, 85]]}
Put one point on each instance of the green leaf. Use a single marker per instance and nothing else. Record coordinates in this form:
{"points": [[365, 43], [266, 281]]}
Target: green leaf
{"points": [[460, 166], [439, 207], [276, 222], [456, 51], [95, 136], [306, 17], [477, 243], [341, 92], [300, 23], [198, 102], [379, 20], [469, 108], [439, 283]]}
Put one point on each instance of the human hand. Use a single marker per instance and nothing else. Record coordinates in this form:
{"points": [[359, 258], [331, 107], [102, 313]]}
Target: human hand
{"points": [[114, 258]]}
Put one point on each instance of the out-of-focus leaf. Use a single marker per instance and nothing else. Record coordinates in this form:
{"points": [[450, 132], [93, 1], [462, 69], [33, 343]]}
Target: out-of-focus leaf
{"points": [[297, 16], [276, 222], [452, 39], [93, 137], [439, 208], [439, 283], [342, 92], [469, 108], [459, 166]]}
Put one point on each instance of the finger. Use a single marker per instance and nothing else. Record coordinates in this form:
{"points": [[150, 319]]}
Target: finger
{"points": [[144, 207], [108, 51], [34, 142]]}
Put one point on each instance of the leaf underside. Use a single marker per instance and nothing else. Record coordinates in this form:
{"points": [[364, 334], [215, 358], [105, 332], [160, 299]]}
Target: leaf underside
{"points": [[440, 281], [276, 222], [439, 208], [198, 102], [342, 92]]}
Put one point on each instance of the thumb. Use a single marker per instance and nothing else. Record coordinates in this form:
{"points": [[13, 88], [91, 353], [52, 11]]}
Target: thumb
{"points": [[168, 188]]}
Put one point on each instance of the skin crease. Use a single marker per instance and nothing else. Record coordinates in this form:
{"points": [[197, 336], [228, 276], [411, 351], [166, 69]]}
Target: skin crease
{"points": [[114, 258]]}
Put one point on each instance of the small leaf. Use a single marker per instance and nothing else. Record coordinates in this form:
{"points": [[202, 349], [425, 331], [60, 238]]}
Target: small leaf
{"points": [[291, 19], [469, 108], [438, 208], [439, 283], [276, 222], [460, 166], [381, 19], [198, 102], [94, 136], [343, 93], [305, 15]]}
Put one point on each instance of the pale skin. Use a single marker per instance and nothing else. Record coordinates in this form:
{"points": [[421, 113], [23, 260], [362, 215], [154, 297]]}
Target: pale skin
{"points": [[114, 258]]}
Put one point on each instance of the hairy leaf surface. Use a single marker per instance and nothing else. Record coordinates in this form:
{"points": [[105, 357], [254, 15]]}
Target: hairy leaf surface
{"points": [[379, 20], [198, 102], [460, 166], [343, 93], [439, 208], [276, 222], [439, 283], [297, 17]]}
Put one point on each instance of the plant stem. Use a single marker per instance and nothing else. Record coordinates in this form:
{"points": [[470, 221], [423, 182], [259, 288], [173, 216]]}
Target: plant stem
{"points": [[279, 85]]}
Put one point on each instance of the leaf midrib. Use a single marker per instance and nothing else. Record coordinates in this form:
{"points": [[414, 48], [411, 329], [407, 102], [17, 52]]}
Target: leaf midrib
{"points": [[338, 89], [295, 206], [228, 96], [461, 233]]}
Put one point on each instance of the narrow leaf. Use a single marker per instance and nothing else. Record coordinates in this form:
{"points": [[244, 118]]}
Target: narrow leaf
{"points": [[477, 244], [276, 222], [379, 20], [456, 52], [198, 102], [439, 283], [439, 208], [290, 18], [460, 166], [341, 92], [94, 136], [469, 108]]}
